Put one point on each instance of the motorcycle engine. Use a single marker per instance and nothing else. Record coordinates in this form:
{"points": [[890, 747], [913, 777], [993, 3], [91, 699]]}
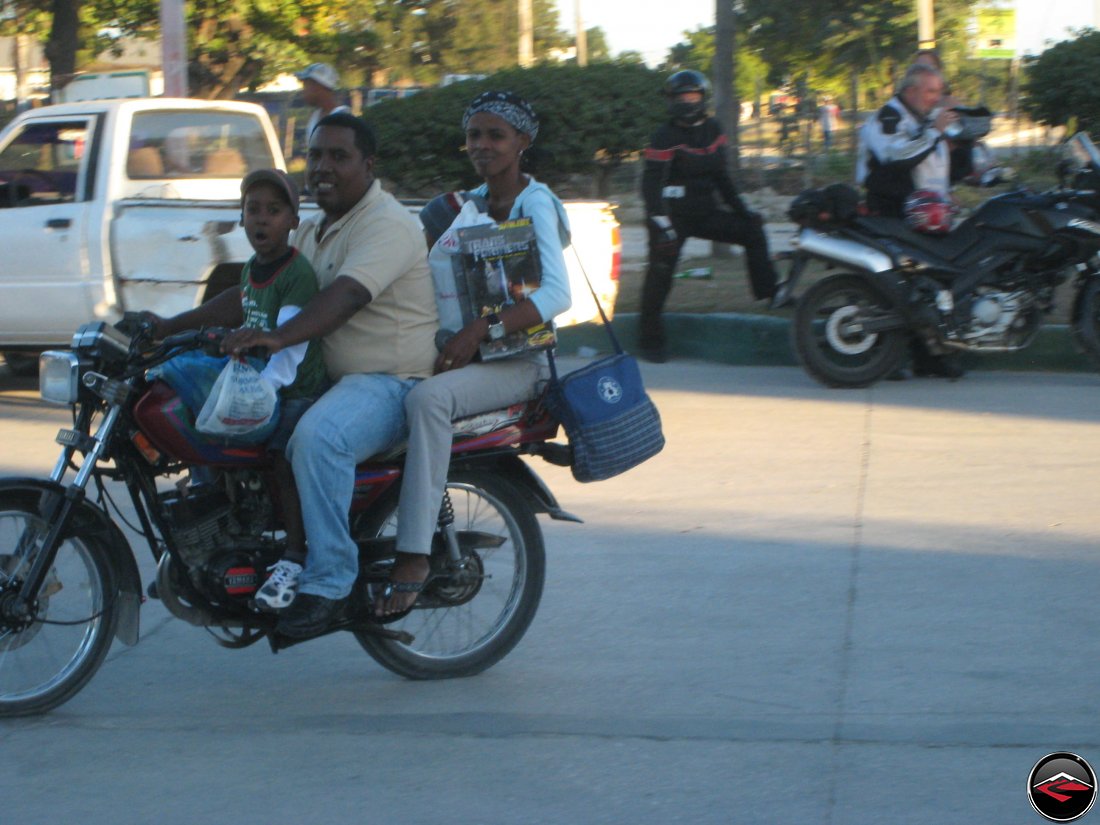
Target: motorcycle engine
{"points": [[218, 531], [999, 319]]}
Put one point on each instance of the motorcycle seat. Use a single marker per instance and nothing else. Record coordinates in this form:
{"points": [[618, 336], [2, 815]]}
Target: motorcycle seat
{"points": [[523, 422], [942, 249]]}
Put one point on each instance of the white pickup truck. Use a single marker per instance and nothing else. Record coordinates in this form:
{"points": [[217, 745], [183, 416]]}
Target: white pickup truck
{"points": [[114, 205]]}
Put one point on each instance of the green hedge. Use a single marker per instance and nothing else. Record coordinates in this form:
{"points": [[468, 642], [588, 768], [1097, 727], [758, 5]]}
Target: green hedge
{"points": [[590, 120]]}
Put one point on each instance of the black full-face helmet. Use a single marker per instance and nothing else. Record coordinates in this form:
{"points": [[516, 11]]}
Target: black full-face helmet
{"points": [[686, 80]]}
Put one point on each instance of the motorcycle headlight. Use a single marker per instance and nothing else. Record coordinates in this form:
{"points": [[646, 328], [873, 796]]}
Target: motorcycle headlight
{"points": [[58, 377]]}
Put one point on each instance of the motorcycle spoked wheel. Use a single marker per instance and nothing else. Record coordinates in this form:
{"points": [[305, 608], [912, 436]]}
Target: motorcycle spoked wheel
{"points": [[831, 348], [464, 629], [1086, 319], [47, 661]]}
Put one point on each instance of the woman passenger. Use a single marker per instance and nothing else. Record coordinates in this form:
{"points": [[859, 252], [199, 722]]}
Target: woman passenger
{"points": [[499, 126]]}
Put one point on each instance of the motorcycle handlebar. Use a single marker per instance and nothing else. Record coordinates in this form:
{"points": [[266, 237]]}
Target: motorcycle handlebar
{"points": [[208, 339]]}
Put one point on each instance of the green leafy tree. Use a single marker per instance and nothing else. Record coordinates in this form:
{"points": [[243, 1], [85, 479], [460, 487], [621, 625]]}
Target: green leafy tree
{"points": [[56, 23], [827, 41], [591, 119], [483, 38], [231, 44], [1060, 84]]}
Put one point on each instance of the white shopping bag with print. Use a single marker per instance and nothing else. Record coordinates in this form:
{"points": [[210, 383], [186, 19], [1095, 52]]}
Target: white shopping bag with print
{"points": [[242, 403]]}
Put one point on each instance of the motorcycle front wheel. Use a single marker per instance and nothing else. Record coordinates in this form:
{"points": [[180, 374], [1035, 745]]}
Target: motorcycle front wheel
{"points": [[468, 623], [830, 339], [46, 658], [1086, 319]]}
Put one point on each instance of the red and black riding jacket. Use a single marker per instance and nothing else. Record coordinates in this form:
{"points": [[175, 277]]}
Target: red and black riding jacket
{"points": [[685, 171]]}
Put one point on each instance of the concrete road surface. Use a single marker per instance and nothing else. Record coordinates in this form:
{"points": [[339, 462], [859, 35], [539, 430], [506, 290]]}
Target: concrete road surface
{"points": [[814, 606]]}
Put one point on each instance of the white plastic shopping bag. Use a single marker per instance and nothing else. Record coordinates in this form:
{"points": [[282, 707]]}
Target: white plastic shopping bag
{"points": [[241, 403], [442, 261]]}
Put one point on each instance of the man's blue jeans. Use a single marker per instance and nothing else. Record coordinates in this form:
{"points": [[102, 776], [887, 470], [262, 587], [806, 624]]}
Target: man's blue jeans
{"points": [[362, 415]]}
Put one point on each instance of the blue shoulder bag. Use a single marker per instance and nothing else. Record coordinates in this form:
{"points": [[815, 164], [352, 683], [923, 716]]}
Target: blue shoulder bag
{"points": [[611, 422]]}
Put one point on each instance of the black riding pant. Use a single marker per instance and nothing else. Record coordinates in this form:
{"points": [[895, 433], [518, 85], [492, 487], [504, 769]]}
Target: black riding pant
{"points": [[720, 226]]}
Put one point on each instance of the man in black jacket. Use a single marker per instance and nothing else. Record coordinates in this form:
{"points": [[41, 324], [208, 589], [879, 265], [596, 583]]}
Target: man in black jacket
{"points": [[685, 174]]}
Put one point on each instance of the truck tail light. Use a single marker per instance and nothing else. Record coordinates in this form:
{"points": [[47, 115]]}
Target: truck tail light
{"points": [[616, 252]]}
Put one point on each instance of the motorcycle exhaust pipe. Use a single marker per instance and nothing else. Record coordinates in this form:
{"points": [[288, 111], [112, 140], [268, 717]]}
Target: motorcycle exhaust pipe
{"points": [[842, 250]]}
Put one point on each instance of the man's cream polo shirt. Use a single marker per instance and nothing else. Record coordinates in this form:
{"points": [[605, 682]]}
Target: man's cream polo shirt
{"points": [[379, 244]]}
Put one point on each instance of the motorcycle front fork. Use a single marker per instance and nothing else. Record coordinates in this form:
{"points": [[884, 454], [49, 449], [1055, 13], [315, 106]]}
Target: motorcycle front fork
{"points": [[59, 510]]}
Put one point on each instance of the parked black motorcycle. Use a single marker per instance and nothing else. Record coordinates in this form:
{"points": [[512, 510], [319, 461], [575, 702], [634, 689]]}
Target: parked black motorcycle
{"points": [[984, 287], [69, 582]]}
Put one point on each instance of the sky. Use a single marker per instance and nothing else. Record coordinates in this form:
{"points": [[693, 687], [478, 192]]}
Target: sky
{"points": [[652, 28]]}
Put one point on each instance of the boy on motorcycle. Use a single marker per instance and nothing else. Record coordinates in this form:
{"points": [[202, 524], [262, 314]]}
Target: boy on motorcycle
{"points": [[275, 284]]}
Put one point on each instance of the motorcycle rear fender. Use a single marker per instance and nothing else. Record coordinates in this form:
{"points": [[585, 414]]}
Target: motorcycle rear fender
{"points": [[525, 481], [90, 522]]}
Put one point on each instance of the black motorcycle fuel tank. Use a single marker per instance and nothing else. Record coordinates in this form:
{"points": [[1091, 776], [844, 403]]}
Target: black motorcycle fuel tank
{"points": [[1037, 215]]}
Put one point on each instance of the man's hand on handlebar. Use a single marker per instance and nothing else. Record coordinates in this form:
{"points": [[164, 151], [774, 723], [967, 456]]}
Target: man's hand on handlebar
{"points": [[240, 341]]}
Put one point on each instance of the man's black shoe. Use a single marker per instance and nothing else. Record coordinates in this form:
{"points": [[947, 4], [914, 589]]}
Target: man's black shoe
{"points": [[783, 297], [655, 355], [940, 366], [308, 615]]}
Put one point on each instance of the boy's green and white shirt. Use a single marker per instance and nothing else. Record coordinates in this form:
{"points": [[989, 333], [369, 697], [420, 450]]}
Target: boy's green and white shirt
{"points": [[301, 371]]}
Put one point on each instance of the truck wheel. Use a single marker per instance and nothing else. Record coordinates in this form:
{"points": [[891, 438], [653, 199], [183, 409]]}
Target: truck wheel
{"points": [[23, 364]]}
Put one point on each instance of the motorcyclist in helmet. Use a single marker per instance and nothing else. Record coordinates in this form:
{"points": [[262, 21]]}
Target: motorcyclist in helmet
{"points": [[688, 193]]}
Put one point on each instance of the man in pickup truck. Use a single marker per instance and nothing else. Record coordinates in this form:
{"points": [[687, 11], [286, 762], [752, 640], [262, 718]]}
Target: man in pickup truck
{"points": [[275, 284], [377, 319]]}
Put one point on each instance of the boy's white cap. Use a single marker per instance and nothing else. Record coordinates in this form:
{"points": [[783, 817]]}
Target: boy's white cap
{"points": [[322, 73]]}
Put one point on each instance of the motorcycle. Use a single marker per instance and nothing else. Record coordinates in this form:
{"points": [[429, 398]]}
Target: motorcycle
{"points": [[983, 287], [69, 582]]}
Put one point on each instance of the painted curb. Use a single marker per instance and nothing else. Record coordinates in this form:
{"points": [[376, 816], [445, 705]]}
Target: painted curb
{"points": [[762, 340]]}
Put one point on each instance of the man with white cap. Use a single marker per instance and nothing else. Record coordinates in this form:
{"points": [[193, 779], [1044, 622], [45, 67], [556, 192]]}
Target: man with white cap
{"points": [[319, 84]]}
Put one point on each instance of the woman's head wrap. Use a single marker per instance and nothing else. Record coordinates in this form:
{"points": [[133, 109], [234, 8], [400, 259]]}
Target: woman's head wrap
{"points": [[511, 108]]}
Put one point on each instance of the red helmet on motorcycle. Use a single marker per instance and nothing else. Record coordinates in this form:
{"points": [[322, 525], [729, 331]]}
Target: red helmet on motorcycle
{"points": [[929, 211]]}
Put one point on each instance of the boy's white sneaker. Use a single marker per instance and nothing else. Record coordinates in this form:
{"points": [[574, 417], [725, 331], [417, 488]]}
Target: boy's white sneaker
{"points": [[281, 586]]}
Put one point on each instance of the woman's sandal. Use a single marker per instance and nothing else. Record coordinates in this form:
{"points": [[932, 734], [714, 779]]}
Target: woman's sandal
{"points": [[391, 588]]}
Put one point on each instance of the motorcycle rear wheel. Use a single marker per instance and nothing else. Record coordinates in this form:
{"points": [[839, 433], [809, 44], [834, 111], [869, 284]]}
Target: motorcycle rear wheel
{"points": [[47, 661], [827, 338], [473, 633]]}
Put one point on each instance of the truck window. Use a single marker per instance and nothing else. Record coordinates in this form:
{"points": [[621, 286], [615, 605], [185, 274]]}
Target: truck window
{"points": [[41, 163], [190, 144]]}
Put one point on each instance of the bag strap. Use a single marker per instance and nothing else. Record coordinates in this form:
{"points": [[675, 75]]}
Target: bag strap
{"points": [[603, 317]]}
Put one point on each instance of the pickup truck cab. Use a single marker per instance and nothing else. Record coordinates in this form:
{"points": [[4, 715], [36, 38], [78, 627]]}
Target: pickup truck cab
{"points": [[114, 205]]}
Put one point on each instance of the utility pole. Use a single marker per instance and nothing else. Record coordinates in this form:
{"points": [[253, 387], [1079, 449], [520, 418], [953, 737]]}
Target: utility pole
{"points": [[526, 34], [582, 35], [926, 25], [173, 48]]}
